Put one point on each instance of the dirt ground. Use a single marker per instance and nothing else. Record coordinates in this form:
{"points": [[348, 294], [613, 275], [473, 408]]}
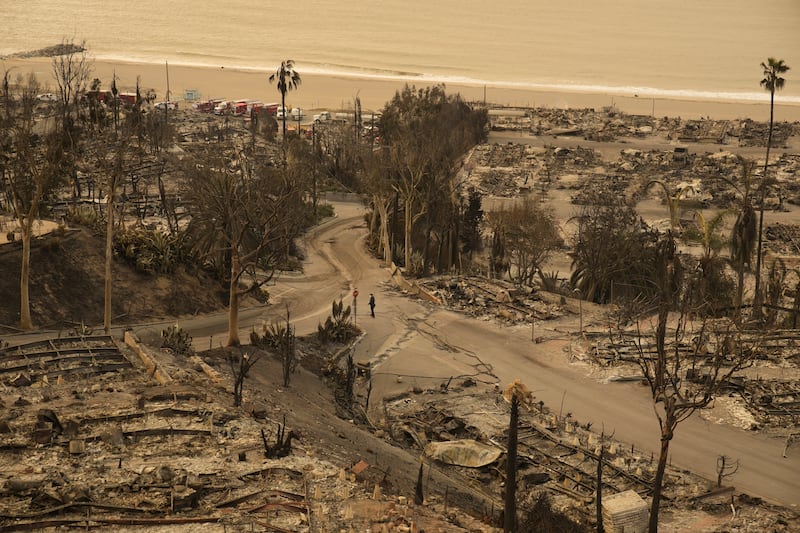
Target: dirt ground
{"points": [[67, 278]]}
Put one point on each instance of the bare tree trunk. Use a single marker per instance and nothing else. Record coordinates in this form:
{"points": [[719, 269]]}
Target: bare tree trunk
{"points": [[510, 513], [757, 299], [384, 230], [25, 321], [373, 221], [283, 106], [407, 232], [599, 496], [109, 242], [739, 291], [233, 302], [652, 526], [426, 252]]}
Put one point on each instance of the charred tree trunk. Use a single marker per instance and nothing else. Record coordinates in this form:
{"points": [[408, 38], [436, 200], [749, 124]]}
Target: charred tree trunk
{"points": [[25, 321], [666, 437], [599, 496], [233, 303], [419, 495], [510, 513], [109, 245]]}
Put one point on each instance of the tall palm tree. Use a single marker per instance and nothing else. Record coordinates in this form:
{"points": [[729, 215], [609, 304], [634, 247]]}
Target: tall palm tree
{"points": [[772, 82], [288, 79]]}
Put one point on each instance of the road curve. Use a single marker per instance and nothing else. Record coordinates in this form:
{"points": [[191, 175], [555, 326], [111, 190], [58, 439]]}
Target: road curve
{"points": [[412, 342], [423, 344]]}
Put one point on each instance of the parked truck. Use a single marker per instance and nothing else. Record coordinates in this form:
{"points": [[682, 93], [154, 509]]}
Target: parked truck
{"points": [[222, 107]]}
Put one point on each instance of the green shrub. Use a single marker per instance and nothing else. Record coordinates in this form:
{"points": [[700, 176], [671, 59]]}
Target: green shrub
{"points": [[176, 339], [324, 211], [151, 251], [272, 338], [338, 326], [86, 216]]}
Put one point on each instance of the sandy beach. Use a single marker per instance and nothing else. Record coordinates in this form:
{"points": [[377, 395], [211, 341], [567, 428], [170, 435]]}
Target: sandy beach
{"points": [[338, 92]]}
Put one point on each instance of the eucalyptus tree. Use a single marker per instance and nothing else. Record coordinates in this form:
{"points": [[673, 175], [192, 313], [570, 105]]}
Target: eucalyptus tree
{"points": [[377, 187], [34, 163], [243, 217], [425, 133], [287, 79], [109, 156], [771, 82], [530, 234]]}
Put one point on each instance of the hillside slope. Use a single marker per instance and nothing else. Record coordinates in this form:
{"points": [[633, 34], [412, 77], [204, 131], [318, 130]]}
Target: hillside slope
{"points": [[66, 286]]}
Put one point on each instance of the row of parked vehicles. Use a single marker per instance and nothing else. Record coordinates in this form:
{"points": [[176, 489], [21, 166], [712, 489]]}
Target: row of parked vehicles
{"points": [[244, 108], [233, 107]]}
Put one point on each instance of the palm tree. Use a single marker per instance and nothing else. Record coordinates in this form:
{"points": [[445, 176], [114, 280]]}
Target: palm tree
{"points": [[710, 288], [743, 235], [772, 82], [673, 199], [517, 394], [288, 79]]}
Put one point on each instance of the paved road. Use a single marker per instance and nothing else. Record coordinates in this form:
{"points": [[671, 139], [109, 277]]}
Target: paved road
{"points": [[420, 343], [410, 342]]}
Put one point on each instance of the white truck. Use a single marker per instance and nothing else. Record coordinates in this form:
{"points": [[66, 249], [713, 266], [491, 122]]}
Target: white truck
{"points": [[322, 116], [222, 107]]}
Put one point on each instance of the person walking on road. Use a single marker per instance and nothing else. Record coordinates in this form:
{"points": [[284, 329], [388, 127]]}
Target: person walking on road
{"points": [[372, 304]]}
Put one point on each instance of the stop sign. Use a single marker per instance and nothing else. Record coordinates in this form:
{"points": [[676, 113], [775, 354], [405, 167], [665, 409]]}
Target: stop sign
{"points": [[355, 293]]}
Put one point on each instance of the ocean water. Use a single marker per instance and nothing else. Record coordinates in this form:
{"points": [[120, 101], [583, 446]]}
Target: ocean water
{"points": [[654, 48]]}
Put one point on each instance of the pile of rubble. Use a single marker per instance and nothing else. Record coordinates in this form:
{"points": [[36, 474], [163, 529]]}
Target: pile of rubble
{"points": [[608, 124], [100, 434], [464, 429], [752, 133], [783, 239], [702, 180], [766, 393], [492, 299]]}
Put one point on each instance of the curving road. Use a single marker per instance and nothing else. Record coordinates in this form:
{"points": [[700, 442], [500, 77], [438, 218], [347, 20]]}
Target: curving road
{"points": [[411, 342]]}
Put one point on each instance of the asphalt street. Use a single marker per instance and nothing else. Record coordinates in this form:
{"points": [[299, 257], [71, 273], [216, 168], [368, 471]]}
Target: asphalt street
{"points": [[410, 342]]}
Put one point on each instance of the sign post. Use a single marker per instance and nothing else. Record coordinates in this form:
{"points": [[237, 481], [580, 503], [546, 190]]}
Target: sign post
{"points": [[355, 307]]}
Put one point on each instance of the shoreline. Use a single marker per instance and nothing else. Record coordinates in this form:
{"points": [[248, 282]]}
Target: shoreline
{"points": [[337, 92]]}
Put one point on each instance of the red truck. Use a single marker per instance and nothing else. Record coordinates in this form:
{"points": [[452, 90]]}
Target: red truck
{"points": [[206, 106]]}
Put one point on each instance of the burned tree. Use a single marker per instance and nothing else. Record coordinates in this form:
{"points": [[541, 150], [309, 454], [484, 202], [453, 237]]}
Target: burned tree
{"points": [[71, 71], [279, 338], [243, 220], [530, 234], [283, 442], [686, 368], [240, 367], [517, 395], [33, 164], [725, 468]]}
